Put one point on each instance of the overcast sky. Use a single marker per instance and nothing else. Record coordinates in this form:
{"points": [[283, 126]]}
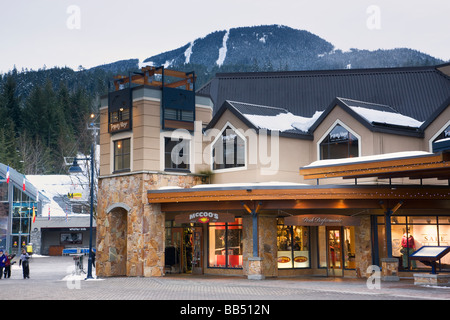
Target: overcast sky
{"points": [[35, 33]]}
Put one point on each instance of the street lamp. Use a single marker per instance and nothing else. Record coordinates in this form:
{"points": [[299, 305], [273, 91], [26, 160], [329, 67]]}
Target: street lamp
{"points": [[75, 168]]}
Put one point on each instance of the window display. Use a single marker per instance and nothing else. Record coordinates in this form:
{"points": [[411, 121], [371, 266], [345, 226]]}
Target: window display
{"points": [[225, 245], [410, 233], [293, 246]]}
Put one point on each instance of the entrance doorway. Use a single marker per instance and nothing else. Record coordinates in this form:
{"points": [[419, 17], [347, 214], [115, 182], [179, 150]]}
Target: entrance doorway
{"points": [[184, 249], [334, 251], [19, 242]]}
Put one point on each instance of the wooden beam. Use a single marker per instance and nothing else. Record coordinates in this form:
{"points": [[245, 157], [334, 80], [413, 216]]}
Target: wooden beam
{"points": [[334, 193], [398, 167]]}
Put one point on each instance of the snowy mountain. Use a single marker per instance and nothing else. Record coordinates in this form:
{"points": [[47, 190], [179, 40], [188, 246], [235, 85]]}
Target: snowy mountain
{"points": [[275, 48]]}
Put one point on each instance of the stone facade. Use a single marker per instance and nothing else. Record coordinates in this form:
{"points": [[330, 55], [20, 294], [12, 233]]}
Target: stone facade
{"points": [[363, 247], [130, 232]]}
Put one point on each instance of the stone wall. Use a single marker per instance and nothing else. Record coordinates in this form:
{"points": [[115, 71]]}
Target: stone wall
{"points": [[363, 254], [267, 244], [130, 237]]}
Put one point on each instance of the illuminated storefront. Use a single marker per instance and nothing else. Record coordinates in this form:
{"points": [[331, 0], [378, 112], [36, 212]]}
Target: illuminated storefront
{"points": [[410, 233]]}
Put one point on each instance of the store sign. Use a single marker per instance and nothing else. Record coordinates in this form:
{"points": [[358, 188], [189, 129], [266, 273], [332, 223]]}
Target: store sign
{"points": [[204, 217], [119, 126], [321, 220]]}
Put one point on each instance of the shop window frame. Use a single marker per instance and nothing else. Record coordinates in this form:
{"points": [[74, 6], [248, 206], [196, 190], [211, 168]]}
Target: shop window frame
{"points": [[226, 224], [291, 233], [376, 223]]}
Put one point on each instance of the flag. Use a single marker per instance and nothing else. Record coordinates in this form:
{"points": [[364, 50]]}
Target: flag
{"points": [[23, 186], [34, 215], [7, 175], [48, 213]]}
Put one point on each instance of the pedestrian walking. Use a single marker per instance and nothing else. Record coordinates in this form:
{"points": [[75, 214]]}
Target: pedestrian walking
{"points": [[2, 262], [25, 264], [8, 264]]}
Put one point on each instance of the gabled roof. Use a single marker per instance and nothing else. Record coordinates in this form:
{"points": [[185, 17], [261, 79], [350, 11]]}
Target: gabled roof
{"points": [[414, 91], [375, 117], [259, 117]]}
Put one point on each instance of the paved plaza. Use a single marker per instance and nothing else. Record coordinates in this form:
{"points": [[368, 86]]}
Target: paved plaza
{"points": [[51, 278]]}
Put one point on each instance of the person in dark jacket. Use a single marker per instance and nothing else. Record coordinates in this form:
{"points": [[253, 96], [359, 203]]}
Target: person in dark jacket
{"points": [[2, 262], [25, 264], [8, 264]]}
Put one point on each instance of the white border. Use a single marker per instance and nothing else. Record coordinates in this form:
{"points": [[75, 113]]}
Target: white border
{"points": [[179, 133], [330, 129], [116, 137], [211, 147]]}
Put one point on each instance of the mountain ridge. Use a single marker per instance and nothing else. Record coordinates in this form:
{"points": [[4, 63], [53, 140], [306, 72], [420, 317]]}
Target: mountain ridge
{"points": [[277, 47]]}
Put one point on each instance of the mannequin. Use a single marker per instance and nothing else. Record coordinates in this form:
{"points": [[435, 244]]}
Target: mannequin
{"points": [[408, 247]]}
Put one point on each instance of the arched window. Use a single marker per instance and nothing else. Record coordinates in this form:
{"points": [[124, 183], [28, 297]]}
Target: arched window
{"points": [[228, 150], [339, 143]]}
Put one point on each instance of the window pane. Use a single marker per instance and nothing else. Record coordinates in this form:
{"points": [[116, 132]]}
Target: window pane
{"points": [[421, 220], [349, 248], [300, 245], [234, 246], [122, 154], [284, 247], [322, 247], [340, 143], [217, 246], [176, 153], [444, 220], [229, 150]]}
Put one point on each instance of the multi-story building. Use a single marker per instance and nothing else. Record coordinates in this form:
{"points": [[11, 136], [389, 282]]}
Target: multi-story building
{"points": [[274, 174]]}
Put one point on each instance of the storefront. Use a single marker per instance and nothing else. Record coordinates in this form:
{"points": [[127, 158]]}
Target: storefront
{"points": [[410, 233], [19, 203]]}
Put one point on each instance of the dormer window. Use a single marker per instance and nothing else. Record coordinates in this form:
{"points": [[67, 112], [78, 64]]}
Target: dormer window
{"points": [[339, 143], [229, 149]]}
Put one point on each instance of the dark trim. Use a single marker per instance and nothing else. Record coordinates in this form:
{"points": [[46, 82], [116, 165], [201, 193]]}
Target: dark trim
{"points": [[435, 114]]}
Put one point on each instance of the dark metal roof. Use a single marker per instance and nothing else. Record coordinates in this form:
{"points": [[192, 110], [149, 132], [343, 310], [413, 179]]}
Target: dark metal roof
{"points": [[414, 91]]}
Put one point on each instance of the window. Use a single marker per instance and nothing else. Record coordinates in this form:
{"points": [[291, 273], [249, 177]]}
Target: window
{"points": [[119, 115], [122, 155], [339, 143], [176, 154], [229, 150], [409, 233], [180, 115], [225, 245], [293, 246]]}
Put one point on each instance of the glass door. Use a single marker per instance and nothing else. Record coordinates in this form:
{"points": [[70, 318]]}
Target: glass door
{"points": [[334, 248], [197, 261]]}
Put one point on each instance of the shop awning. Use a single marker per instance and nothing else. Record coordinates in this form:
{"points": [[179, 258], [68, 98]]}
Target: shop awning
{"points": [[413, 165]]}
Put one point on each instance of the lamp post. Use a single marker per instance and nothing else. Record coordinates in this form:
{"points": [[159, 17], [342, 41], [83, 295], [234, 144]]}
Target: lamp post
{"points": [[75, 168]]}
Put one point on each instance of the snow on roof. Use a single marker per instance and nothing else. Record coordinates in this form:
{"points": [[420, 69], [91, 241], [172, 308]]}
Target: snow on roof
{"points": [[283, 121], [57, 186], [385, 117], [386, 156]]}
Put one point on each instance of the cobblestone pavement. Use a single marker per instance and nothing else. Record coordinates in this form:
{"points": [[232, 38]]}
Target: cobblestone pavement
{"points": [[51, 278]]}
